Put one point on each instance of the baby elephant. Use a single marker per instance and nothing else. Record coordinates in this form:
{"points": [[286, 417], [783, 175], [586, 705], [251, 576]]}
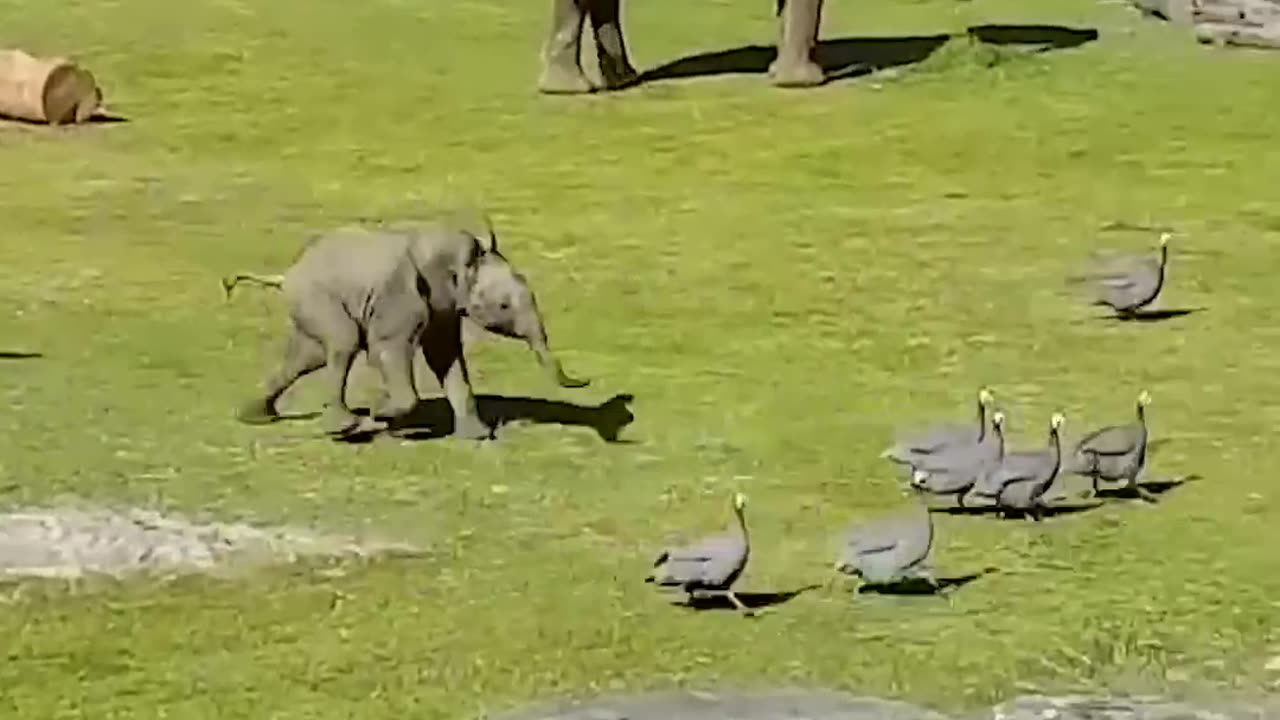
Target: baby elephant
{"points": [[390, 292]]}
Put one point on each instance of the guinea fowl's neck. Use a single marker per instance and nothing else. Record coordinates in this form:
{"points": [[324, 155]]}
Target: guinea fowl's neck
{"points": [[1055, 444], [741, 523], [982, 421]]}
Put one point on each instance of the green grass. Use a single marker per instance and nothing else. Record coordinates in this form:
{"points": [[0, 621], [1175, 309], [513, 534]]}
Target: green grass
{"points": [[780, 278]]}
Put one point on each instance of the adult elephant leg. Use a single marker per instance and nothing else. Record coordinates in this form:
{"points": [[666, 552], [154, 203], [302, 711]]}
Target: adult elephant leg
{"points": [[611, 46], [798, 23], [561, 65], [442, 346], [303, 355]]}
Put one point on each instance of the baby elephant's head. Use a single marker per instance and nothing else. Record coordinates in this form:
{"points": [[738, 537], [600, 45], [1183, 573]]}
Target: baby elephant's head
{"points": [[502, 303]]}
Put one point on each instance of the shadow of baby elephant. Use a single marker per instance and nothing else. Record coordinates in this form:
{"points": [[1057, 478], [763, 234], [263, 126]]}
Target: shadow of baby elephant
{"points": [[433, 418]]}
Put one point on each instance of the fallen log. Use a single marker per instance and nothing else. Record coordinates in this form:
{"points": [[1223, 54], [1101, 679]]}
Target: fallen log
{"points": [[53, 90]]}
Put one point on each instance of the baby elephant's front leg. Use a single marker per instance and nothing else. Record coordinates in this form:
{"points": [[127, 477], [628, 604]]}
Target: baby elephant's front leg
{"points": [[442, 345]]}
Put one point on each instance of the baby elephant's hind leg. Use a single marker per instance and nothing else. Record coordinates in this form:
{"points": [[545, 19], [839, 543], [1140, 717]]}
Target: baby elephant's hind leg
{"points": [[303, 355]]}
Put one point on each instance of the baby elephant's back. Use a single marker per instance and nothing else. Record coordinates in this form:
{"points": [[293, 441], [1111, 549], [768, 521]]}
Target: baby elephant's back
{"points": [[348, 258]]}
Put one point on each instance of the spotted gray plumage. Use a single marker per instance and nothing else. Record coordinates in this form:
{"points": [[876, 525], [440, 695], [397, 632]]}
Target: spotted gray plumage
{"points": [[1022, 478], [1127, 284], [941, 439], [891, 549], [954, 473], [1115, 452], [712, 564]]}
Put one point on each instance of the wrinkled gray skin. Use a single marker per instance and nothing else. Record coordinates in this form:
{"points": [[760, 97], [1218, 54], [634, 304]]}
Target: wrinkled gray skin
{"points": [[1116, 452], [391, 292], [1128, 284], [891, 549], [798, 23], [502, 302], [954, 473], [712, 564]]}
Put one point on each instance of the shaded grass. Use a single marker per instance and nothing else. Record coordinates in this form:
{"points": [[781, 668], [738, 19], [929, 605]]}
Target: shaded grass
{"points": [[781, 279]]}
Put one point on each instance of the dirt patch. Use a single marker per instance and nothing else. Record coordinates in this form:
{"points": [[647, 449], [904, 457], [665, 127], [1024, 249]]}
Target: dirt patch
{"points": [[74, 542]]}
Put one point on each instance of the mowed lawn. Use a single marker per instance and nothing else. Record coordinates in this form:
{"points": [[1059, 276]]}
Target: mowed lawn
{"points": [[780, 279]]}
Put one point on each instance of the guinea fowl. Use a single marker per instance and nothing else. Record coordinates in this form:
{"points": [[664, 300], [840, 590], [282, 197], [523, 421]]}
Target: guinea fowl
{"points": [[941, 438], [953, 474], [1116, 452], [892, 549], [1128, 284], [710, 565], [1022, 478]]}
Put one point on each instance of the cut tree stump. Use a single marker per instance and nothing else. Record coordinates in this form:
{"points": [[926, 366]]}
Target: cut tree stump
{"points": [[55, 90]]}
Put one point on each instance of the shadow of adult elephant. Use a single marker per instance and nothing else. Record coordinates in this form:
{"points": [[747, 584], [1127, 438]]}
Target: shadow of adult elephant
{"points": [[853, 57]]}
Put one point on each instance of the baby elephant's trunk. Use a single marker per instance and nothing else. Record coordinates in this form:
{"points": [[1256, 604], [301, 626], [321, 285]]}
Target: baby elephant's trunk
{"points": [[538, 343]]}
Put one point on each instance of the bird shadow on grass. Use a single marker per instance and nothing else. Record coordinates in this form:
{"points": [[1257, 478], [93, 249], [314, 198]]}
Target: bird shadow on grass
{"points": [[1049, 511], [1153, 316], [921, 586], [753, 600], [433, 417], [1156, 488], [852, 57]]}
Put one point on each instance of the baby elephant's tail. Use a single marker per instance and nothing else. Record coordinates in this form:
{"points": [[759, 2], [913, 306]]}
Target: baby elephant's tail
{"points": [[229, 283]]}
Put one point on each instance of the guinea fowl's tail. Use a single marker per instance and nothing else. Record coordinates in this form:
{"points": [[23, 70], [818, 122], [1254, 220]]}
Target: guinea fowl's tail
{"points": [[229, 283], [662, 557]]}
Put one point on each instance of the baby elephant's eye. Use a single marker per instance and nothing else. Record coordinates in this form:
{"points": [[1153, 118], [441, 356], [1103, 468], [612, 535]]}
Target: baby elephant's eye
{"points": [[504, 306]]}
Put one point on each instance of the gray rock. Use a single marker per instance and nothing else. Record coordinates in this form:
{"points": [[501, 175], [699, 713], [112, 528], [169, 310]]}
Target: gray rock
{"points": [[797, 704], [1078, 707], [728, 705]]}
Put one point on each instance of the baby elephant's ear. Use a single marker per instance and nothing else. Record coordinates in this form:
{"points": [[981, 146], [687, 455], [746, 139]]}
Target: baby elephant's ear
{"points": [[490, 242]]}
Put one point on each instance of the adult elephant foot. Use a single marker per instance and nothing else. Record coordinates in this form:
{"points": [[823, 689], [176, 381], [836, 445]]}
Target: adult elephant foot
{"points": [[796, 73], [563, 79], [258, 411]]}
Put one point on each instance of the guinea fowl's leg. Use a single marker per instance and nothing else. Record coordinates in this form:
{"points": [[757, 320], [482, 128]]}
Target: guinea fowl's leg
{"points": [[1141, 492], [733, 598]]}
